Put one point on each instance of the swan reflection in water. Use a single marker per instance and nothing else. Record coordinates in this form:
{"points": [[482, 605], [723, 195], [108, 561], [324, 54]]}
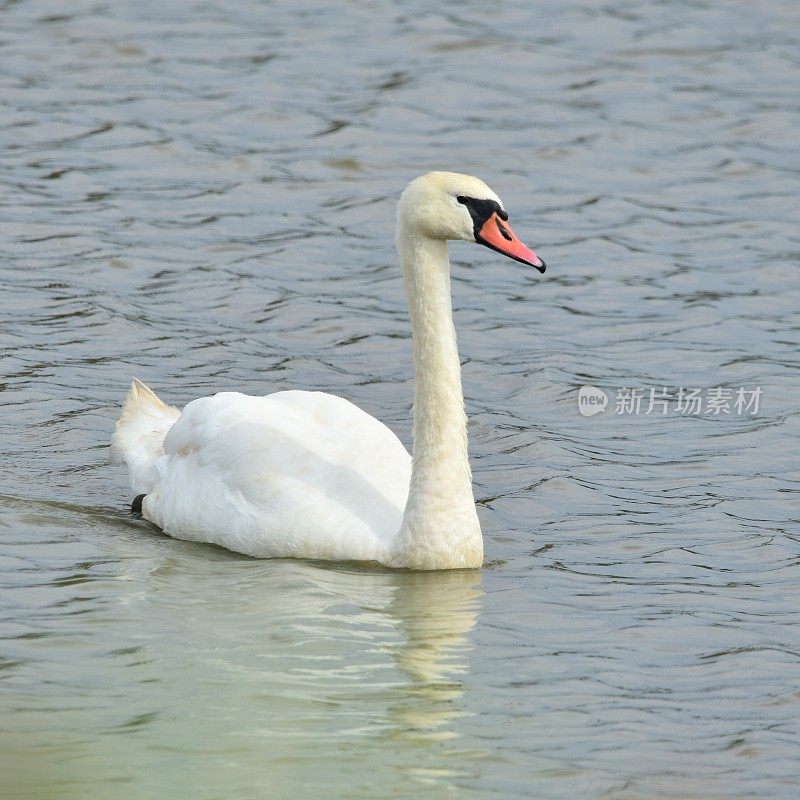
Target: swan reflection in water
{"points": [[309, 667], [226, 672], [436, 613]]}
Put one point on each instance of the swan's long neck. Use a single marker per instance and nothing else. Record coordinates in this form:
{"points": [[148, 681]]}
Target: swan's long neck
{"points": [[440, 527]]}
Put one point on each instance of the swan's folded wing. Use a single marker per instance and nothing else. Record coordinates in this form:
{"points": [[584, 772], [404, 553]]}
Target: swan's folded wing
{"points": [[292, 473]]}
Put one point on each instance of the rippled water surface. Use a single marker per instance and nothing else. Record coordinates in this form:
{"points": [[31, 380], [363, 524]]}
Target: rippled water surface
{"points": [[202, 195]]}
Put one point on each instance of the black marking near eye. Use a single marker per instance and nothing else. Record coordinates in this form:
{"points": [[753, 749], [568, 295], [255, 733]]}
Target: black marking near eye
{"points": [[481, 210]]}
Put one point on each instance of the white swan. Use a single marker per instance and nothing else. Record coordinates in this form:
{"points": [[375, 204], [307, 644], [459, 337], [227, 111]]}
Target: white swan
{"points": [[310, 475]]}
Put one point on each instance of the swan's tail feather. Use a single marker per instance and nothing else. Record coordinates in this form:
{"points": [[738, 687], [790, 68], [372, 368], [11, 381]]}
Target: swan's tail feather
{"points": [[139, 437]]}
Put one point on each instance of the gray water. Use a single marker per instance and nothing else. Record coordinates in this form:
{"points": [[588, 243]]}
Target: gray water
{"points": [[202, 195]]}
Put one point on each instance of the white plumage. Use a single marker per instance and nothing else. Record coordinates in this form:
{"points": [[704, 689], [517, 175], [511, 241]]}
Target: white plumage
{"points": [[292, 474], [309, 474]]}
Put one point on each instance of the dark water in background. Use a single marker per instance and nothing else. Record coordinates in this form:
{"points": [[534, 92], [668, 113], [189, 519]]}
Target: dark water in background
{"points": [[202, 195]]}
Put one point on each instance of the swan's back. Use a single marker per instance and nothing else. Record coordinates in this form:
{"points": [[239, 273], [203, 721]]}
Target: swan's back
{"points": [[301, 474]]}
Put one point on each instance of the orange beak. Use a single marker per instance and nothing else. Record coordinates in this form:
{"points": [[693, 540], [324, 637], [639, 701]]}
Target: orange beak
{"points": [[498, 235]]}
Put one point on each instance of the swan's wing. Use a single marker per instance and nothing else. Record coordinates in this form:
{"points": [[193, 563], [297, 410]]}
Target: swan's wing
{"points": [[303, 474]]}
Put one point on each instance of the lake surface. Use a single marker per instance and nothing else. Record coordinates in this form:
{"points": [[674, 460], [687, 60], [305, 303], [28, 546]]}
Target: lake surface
{"points": [[202, 195]]}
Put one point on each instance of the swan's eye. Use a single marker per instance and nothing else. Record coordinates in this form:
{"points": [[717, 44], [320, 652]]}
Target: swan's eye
{"points": [[462, 199]]}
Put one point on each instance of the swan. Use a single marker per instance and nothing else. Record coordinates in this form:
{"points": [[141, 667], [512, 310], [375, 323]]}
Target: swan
{"points": [[304, 474]]}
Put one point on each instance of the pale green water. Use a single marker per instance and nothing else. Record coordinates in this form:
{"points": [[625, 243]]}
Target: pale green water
{"points": [[202, 195]]}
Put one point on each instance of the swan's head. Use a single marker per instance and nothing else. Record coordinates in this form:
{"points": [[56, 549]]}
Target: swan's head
{"points": [[447, 205]]}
